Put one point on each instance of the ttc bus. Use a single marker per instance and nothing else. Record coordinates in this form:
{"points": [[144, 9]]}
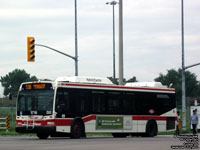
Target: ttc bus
{"points": [[74, 106]]}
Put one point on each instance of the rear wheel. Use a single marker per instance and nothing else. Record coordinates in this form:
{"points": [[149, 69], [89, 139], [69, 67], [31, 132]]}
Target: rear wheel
{"points": [[77, 130], [42, 135], [151, 129]]}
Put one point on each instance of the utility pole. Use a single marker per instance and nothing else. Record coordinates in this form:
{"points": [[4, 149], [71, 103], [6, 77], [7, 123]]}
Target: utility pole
{"points": [[121, 42], [76, 40], [183, 71]]}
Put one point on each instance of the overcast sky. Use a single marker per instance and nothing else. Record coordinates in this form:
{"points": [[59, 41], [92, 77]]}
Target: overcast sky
{"points": [[152, 37]]}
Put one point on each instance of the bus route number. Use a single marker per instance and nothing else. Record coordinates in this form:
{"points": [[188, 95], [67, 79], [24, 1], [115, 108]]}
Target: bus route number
{"points": [[28, 86]]}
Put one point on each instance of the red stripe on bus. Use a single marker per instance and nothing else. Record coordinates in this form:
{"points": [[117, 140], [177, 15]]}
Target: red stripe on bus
{"points": [[148, 117], [63, 122], [89, 118], [117, 87], [57, 122]]}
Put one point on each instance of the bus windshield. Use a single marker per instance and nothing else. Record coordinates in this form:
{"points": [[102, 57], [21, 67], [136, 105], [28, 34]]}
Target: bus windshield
{"points": [[35, 102]]}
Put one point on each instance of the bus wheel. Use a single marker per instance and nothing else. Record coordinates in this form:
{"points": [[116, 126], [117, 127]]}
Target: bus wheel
{"points": [[119, 135], [151, 129], [42, 135], [77, 130]]}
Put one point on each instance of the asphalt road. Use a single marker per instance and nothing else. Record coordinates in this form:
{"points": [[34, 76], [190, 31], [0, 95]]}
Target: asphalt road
{"points": [[161, 142]]}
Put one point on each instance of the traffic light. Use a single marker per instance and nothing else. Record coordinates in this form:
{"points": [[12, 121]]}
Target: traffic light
{"points": [[31, 49]]}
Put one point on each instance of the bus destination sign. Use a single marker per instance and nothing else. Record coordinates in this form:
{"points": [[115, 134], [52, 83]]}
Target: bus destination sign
{"points": [[37, 86]]}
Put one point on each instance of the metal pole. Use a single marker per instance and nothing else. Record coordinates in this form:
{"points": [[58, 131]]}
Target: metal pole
{"points": [[183, 71], [113, 3], [76, 40], [186, 67], [120, 43], [114, 40], [74, 58]]}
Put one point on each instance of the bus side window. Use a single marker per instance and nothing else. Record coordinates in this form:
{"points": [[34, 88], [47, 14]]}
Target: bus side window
{"points": [[164, 102], [62, 101], [98, 103], [113, 105], [129, 103], [80, 101]]}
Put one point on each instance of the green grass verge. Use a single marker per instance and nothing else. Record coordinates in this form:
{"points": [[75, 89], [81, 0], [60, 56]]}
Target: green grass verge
{"points": [[9, 133], [99, 134]]}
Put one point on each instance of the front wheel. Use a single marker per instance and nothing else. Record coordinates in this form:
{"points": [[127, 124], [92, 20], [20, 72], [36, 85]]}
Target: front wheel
{"points": [[77, 130], [42, 135]]}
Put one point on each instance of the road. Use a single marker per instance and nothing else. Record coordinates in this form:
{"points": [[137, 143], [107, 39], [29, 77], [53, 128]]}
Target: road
{"points": [[161, 142]]}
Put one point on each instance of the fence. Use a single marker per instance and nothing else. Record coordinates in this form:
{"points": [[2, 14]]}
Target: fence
{"points": [[5, 123], [11, 112]]}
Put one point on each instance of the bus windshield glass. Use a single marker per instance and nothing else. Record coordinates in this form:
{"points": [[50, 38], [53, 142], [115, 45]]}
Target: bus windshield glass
{"points": [[35, 102]]}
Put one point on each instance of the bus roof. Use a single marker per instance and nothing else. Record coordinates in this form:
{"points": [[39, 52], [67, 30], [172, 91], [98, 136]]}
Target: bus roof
{"points": [[146, 84], [105, 83], [81, 79]]}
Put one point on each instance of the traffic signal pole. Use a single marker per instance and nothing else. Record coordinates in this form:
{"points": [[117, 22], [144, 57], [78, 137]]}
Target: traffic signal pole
{"points": [[72, 57]]}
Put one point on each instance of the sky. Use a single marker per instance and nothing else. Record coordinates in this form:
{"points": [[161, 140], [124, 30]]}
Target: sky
{"points": [[151, 37]]}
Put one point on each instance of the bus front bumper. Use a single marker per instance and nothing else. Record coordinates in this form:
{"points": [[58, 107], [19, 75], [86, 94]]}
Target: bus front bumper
{"points": [[36, 129]]}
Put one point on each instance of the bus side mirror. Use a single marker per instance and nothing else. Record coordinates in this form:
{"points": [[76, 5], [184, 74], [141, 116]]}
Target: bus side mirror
{"points": [[10, 96]]}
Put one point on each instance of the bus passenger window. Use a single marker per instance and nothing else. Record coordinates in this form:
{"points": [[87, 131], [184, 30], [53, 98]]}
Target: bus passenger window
{"points": [[113, 106], [62, 102]]}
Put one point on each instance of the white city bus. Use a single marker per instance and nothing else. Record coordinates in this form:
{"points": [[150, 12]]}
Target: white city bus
{"points": [[74, 106]]}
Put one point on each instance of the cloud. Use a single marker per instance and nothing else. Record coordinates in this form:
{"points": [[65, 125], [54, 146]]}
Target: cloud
{"points": [[33, 13], [152, 37]]}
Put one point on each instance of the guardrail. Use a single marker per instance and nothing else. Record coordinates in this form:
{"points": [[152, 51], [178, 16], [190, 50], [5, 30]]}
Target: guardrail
{"points": [[5, 123]]}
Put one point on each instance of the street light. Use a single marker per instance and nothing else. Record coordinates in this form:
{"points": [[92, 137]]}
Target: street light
{"points": [[113, 3], [121, 68], [183, 70], [76, 40]]}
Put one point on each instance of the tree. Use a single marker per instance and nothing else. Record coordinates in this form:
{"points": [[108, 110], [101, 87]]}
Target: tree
{"points": [[12, 81], [174, 77]]}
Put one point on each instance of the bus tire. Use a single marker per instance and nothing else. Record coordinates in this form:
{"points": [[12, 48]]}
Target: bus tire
{"points": [[119, 135], [77, 130], [151, 129], [42, 135]]}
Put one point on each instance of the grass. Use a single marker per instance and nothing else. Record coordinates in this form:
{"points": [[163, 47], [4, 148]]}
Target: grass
{"points": [[12, 115], [9, 133], [99, 134]]}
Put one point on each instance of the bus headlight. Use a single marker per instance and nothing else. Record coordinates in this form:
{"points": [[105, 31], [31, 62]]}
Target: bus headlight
{"points": [[51, 123]]}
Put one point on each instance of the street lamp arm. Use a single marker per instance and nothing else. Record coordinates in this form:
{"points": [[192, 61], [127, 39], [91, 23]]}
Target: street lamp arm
{"points": [[191, 66], [74, 58]]}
